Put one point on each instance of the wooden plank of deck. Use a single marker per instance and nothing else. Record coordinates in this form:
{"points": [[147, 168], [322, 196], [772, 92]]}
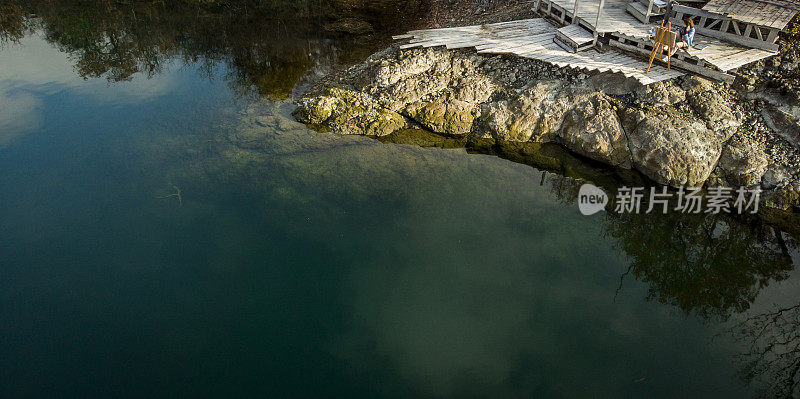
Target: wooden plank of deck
{"points": [[763, 13], [677, 63], [576, 34], [726, 56], [534, 39], [737, 60]]}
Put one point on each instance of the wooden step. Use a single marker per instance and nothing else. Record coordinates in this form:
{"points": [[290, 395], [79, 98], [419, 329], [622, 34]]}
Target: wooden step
{"points": [[640, 11], [574, 38], [563, 45]]}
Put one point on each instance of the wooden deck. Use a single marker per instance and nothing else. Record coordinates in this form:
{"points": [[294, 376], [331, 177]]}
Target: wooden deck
{"points": [[614, 17], [768, 14], [617, 25], [533, 38], [730, 34]]}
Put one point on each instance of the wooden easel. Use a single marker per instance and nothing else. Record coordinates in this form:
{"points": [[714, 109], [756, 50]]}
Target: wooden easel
{"points": [[664, 37]]}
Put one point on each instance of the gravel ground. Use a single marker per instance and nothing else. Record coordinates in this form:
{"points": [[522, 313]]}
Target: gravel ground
{"points": [[778, 149], [448, 13], [779, 79]]}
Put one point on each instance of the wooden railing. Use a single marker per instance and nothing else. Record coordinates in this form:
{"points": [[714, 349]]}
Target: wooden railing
{"points": [[725, 28]]}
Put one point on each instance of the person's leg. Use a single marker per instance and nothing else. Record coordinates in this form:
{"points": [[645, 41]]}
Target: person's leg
{"points": [[678, 45]]}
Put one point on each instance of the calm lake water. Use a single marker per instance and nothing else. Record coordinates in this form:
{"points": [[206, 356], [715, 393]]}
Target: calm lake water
{"points": [[305, 264]]}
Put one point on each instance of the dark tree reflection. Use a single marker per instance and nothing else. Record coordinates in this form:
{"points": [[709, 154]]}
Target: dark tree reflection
{"points": [[263, 48], [711, 265], [714, 266], [772, 351], [704, 264]]}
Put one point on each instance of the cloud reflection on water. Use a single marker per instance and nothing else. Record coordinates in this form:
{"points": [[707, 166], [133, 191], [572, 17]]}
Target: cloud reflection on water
{"points": [[33, 70]]}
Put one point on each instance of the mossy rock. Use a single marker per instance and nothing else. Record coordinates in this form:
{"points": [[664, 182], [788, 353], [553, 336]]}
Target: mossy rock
{"points": [[452, 117]]}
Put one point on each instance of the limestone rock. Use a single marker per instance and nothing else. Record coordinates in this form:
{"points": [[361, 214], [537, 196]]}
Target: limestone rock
{"points": [[592, 129], [783, 122], [393, 70], [697, 85], [775, 176], [447, 117], [661, 93], [673, 132], [413, 90], [348, 112], [673, 151], [474, 89], [614, 84], [784, 198], [715, 110], [421, 74], [505, 120], [742, 162], [534, 115], [316, 110]]}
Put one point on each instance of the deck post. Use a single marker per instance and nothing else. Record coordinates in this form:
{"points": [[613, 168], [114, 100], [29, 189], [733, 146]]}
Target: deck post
{"points": [[575, 13], [597, 22], [649, 10]]}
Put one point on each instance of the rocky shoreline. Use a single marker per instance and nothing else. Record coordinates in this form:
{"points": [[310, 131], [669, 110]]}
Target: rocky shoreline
{"points": [[685, 132]]}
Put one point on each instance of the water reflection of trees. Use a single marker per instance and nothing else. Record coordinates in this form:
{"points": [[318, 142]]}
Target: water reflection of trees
{"points": [[265, 48], [709, 265], [714, 266], [772, 351]]}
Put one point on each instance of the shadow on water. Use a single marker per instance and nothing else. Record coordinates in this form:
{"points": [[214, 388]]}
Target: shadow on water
{"points": [[549, 157], [711, 266]]}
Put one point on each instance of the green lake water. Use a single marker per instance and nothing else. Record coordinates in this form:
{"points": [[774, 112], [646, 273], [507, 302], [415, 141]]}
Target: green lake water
{"points": [[304, 264]]}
